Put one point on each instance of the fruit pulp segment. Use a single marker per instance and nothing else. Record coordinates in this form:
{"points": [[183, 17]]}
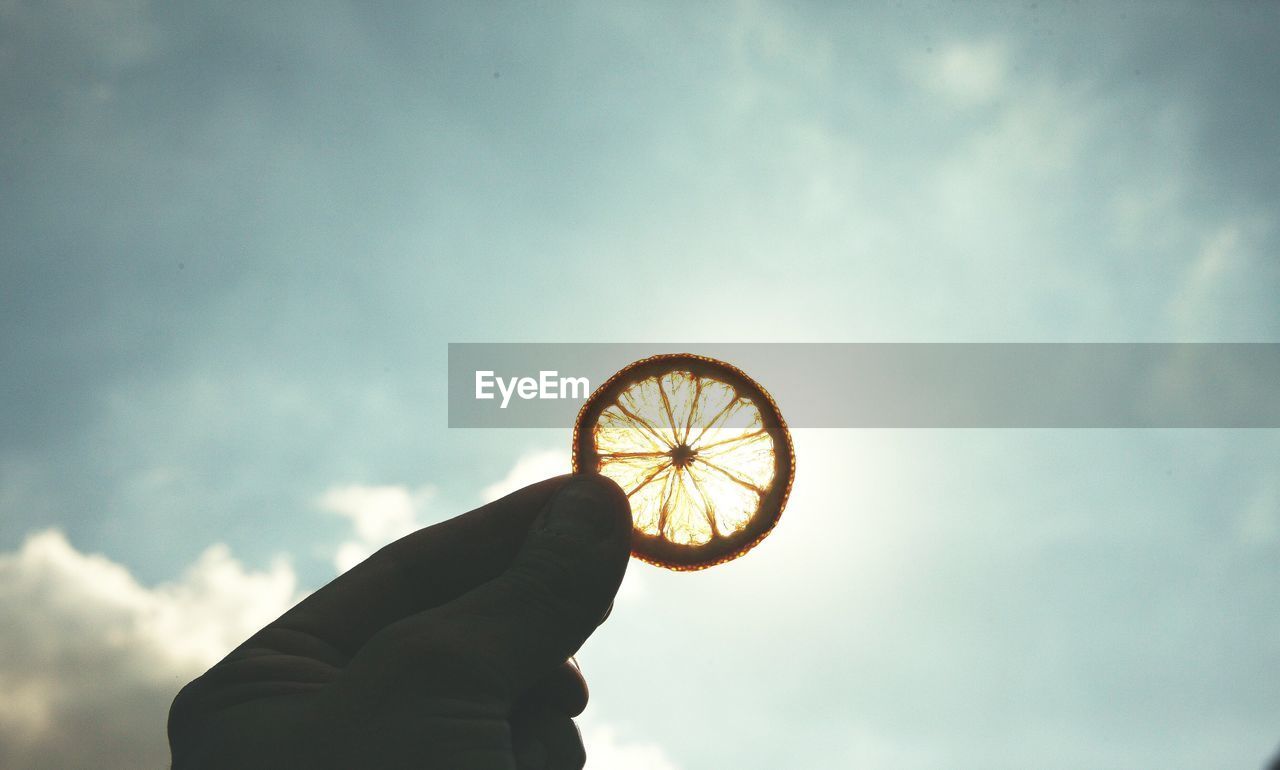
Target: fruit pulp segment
{"points": [[693, 456]]}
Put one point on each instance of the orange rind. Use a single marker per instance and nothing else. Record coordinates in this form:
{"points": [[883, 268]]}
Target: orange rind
{"points": [[700, 449]]}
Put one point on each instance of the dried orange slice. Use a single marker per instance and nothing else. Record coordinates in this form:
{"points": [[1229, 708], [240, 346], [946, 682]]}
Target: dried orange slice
{"points": [[701, 451]]}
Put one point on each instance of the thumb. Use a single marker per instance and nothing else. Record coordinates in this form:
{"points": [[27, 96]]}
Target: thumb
{"points": [[507, 634]]}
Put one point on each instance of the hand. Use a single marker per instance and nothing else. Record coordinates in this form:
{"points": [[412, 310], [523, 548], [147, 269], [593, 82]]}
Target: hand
{"points": [[448, 648]]}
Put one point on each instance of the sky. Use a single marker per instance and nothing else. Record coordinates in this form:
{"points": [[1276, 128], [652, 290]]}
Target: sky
{"points": [[239, 236]]}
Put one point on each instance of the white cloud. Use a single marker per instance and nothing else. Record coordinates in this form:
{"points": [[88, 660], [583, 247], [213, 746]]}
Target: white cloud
{"points": [[1218, 261], [1215, 258], [607, 751], [766, 36], [965, 73], [92, 658], [1035, 140], [380, 514], [529, 468], [76, 48]]}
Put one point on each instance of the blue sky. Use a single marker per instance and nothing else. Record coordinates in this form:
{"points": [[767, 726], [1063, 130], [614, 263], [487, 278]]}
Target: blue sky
{"points": [[238, 238]]}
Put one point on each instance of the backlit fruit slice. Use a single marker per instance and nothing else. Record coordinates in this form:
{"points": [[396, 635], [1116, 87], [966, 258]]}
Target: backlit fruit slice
{"points": [[701, 451]]}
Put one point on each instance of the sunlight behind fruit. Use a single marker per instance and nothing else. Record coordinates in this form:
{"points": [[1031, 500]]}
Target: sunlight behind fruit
{"points": [[697, 446]]}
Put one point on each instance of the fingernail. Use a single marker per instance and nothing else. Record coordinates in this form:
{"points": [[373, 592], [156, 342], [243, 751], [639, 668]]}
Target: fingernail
{"points": [[584, 508]]}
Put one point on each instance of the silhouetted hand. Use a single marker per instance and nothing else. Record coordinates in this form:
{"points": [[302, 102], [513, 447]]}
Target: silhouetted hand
{"points": [[447, 649]]}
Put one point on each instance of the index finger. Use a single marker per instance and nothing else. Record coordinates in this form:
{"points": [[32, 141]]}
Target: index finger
{"points": [[422, 570]]}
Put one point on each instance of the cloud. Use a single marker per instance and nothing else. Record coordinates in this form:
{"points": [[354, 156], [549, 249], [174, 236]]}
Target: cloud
{"points": [[606, 750], [965, 73], [71, 49], [529, 468], [92, 658], [380, 514], [1225, 272], [778, 150]]}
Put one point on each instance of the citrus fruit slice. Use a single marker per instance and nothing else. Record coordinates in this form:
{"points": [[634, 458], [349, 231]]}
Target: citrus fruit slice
{"points": [[701, 451]]}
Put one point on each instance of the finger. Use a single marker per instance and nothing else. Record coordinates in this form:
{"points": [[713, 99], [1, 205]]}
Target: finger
{"points": [[546, 740], [564, 690], [503, 637], [425, 569]]}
